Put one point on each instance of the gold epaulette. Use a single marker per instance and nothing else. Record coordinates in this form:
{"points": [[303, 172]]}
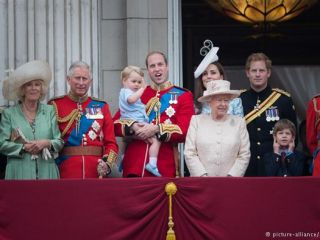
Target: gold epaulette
{"points": [[55, 98], [281, 91], [97, 99]]}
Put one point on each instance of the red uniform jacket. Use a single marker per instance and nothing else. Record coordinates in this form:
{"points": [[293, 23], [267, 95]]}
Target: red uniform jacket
{"points": [[313, 131], [87, 123], [171, 108]]}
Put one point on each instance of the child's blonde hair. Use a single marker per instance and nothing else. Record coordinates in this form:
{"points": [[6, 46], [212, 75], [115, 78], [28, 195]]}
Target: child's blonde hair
{"points": [[284, 124], [128, 70]]}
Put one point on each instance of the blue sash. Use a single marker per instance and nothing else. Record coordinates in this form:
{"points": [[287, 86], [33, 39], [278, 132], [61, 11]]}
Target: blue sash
{"points": [[75, 139], [164, 100]]}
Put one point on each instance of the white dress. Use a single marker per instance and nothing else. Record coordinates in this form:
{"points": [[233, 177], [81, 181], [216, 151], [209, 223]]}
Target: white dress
{"points": [[217, 148]]}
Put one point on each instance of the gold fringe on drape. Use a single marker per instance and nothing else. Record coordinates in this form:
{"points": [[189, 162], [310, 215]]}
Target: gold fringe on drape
{"points": [[170, 189]]}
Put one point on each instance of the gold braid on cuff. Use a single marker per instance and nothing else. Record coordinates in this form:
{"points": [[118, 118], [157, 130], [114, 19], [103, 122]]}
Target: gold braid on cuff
{"points": [[169, 129], [124, 123]]}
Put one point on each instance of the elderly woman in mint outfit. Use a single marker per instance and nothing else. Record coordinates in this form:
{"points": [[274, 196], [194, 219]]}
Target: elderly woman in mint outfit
{"points": [[30, 136]]}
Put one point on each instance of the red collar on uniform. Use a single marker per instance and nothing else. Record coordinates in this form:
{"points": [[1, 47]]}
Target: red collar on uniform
{"points": [[78, 99]]}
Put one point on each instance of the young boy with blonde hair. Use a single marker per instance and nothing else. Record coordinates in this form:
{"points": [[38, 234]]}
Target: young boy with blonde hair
{"points": [[132, 108]]}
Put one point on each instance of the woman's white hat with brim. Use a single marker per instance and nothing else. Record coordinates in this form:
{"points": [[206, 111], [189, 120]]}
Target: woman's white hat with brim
{"points": [[218, 87], [33, 70], [209, 58]]}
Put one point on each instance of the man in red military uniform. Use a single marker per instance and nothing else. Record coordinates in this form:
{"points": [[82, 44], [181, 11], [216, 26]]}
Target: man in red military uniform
{"points": [[313, 132], [169, 109], [86, 127]]}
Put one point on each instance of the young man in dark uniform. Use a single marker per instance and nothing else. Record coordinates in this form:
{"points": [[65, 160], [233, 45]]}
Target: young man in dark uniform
{"points": [[263, 107]]}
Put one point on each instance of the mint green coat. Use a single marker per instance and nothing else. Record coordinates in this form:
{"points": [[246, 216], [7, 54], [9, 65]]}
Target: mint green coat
{"points": [[20, 165]]}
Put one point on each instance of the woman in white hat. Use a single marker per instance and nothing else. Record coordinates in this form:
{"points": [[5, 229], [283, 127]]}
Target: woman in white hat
{"points": [[210, 70], [30, 136], [217, 144]]}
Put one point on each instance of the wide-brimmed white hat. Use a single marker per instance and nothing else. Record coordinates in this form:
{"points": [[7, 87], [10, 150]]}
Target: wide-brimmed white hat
{"points": [[218, 87], [27, 72], [210, 57]]}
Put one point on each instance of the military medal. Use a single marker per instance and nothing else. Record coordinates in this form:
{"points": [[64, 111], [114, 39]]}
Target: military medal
{"points": [[88, 113], [277, 115], [170, 111], [173, 98], [94, 113], [268, 115], [96, 126], [272, 114], [99, 114], [92, 135]]}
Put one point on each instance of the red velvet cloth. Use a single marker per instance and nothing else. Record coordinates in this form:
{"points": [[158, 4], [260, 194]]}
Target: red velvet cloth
{"points": [[203, 208]]}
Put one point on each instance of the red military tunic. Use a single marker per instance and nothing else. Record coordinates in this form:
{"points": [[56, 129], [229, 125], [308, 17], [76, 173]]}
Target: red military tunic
{"points": [[87, 129], [313, 132], [171, 108]]}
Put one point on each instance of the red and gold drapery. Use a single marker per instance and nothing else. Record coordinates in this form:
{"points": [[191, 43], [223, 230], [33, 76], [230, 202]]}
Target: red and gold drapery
{"points": [[202, 208]]}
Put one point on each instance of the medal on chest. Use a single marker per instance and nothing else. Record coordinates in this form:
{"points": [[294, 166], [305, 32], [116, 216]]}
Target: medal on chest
{"points": [[94, 113], [96, 126], [173, 98], [92, 135], [170, 111], [272, 114]]}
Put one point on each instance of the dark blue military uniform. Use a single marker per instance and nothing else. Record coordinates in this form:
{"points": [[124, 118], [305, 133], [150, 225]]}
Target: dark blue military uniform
{"points": [[291, 165], [262, 110]]}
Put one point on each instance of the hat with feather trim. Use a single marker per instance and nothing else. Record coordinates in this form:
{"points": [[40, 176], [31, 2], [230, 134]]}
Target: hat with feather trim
{"points": [[33, 70]]}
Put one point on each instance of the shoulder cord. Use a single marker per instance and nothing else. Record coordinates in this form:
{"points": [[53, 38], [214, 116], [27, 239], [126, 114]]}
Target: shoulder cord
{"points": [[71, 117]]}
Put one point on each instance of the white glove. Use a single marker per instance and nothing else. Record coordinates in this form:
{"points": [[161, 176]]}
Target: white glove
{"points": [[46, 154]]}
